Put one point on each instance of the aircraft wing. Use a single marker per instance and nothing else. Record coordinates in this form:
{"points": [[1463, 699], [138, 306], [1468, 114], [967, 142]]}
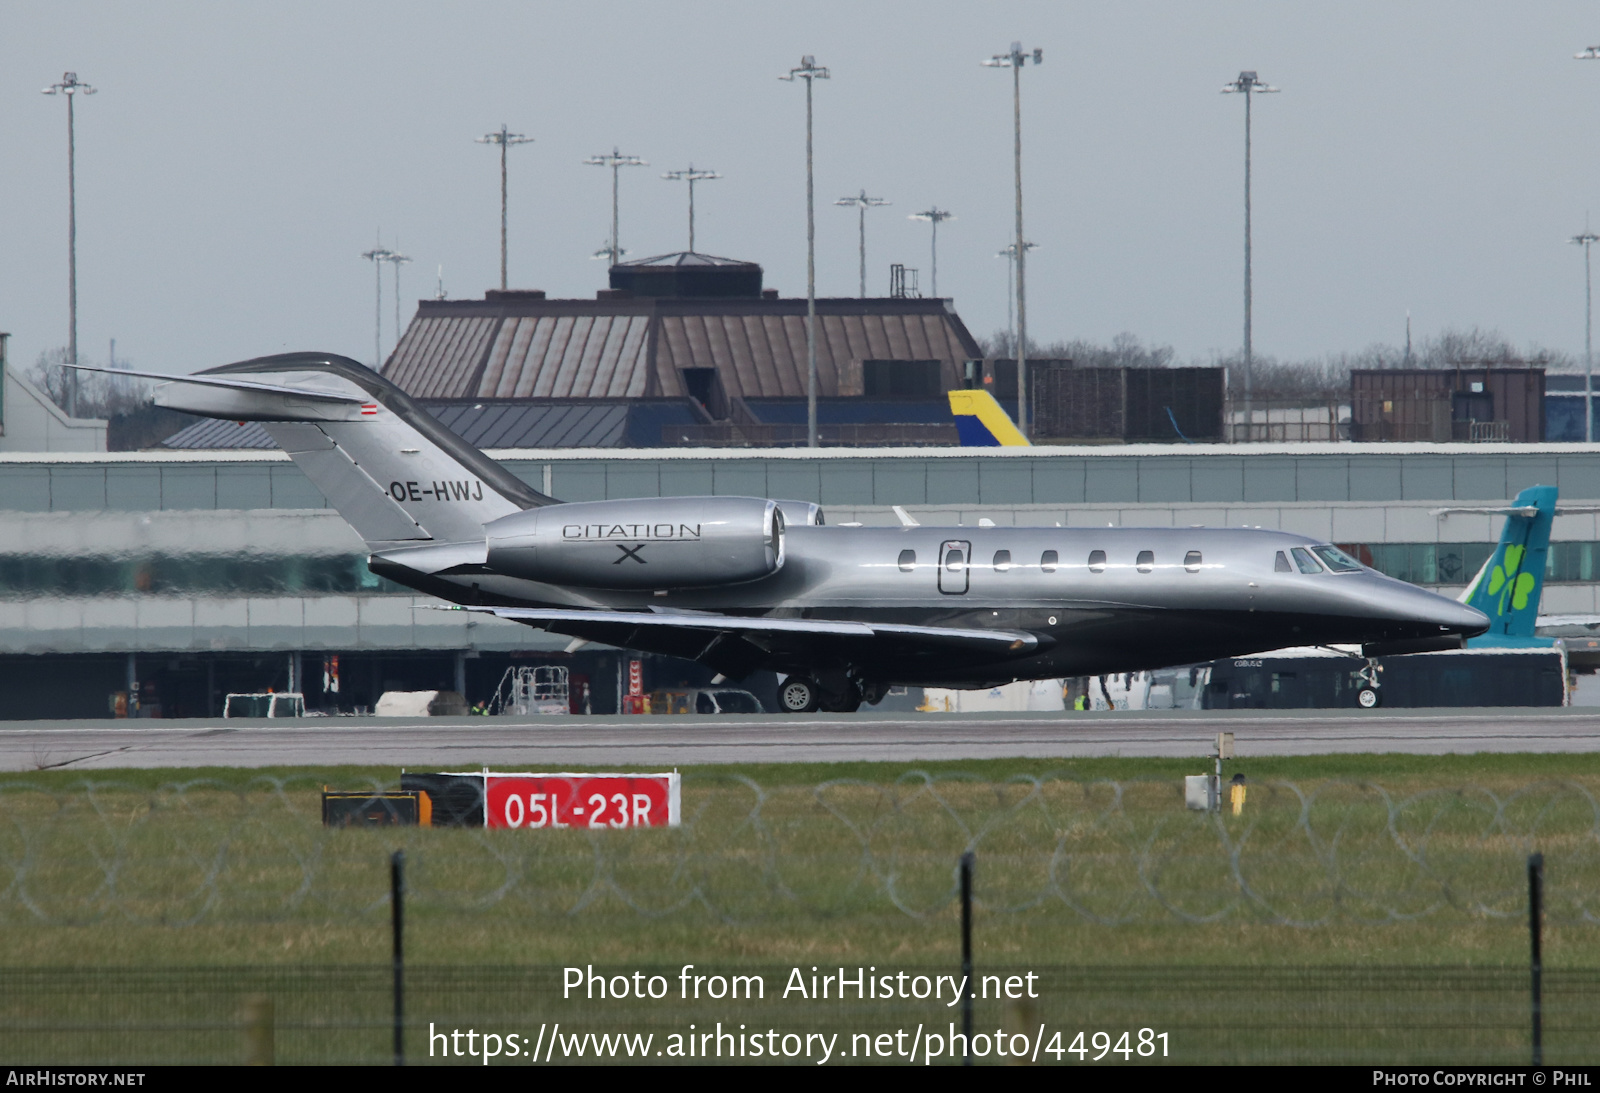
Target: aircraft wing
{"points": [[717, 639]]}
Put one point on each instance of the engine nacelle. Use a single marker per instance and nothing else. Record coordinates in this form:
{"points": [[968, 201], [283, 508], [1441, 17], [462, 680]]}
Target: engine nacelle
{"points": [[650, 543]]}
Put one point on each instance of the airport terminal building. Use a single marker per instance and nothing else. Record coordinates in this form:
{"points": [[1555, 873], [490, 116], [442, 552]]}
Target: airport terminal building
{"points": [[186, 575]]}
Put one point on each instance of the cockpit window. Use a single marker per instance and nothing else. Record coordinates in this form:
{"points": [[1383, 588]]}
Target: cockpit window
{"points": [[1336, 559], [1281, 564], [1303, 559]]}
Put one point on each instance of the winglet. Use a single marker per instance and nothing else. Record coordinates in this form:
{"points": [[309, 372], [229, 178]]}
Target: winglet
{"points": [[981, 423]]}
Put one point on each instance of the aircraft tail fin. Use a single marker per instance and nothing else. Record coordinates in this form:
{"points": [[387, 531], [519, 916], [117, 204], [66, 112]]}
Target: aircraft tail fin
{"points": [[389, 467], [981, 423], [1509, 585]]}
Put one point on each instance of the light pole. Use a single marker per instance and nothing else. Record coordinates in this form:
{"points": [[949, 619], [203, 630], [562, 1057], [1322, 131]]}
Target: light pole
{"points": [[616, 161], [397, 260], [1249, 86], [1010, 255], [377, 256], [934, 215], [505, 139], [1014, 60], [1587, 240], [862, 203], [808, 70], [71, 87], [691, 176]]}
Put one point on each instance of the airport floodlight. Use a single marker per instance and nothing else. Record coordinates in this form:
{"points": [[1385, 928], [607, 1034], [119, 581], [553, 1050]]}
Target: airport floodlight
{"points": [[378, 255], [935, 216], [691, 176], [862, 203], [1009, 253], [396, 259], [1249, 85], [607, 251], [505, 139], [616, 161], [809, 71], [1587, 240], [1016, 59], [71, 87]]}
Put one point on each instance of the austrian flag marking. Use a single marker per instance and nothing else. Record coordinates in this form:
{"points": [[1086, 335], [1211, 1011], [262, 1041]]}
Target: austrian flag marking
{"points": [[369, 408]]}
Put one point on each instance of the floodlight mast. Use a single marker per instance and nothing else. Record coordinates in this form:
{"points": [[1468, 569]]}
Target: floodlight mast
{"points": [[691, 176], [616, 161], [71, 87], [504, 138], [1587, 240], [862, 203], [397, 260], [377, 256], [934, 215], [1248, 85], [1009, 253], [1014, 60], [808, 70]]}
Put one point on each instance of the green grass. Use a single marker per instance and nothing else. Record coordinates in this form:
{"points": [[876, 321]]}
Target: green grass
{"points": [[228, 867], [148, 914]]}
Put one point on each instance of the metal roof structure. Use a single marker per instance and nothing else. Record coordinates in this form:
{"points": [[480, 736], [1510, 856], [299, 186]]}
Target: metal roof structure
{"points": [[519, 345], [563, 423]]}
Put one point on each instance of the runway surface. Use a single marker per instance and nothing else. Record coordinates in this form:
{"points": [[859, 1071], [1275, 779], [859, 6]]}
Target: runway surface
{"points": [[591, 742]]}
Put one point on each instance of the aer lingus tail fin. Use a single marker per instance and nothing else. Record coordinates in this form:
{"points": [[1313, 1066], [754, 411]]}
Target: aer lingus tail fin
{"points": [[1509, 585]]}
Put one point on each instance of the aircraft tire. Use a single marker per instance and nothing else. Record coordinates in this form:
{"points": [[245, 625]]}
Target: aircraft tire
{"points": [[1368, 698], [848, 703], [797, 694]]}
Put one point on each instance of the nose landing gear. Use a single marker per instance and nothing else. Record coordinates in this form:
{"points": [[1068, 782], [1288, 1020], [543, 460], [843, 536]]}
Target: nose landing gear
{"points": [[1369, 688]]}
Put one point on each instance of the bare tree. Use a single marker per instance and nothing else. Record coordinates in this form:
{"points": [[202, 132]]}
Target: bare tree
{"points": [[100, 395]]}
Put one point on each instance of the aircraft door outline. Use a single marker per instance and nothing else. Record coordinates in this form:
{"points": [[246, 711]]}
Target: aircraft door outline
{"points": [[955, 566]]}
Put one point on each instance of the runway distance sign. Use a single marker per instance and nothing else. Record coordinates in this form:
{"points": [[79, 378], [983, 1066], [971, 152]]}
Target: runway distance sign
{"points": [[582, 800]]}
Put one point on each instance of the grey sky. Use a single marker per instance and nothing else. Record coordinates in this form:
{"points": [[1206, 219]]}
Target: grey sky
{"points": [[237, 161]]}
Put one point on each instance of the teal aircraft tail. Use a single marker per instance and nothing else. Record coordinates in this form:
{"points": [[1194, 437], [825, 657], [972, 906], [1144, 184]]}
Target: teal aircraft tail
{"points": [[1509, 585]]}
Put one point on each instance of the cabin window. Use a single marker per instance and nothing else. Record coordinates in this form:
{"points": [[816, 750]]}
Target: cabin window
{"points": [[1282, 564], [954, 561], [1146, 561], [1002, 560], [1097, 561], [1303, 559], [908, 561], [1049, 560], [1191, 561]]}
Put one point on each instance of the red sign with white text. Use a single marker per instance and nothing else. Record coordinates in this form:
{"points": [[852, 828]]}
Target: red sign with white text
{"points": [[582, 800]]}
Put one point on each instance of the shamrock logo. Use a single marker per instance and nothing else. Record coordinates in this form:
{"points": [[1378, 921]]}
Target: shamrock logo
{"points": [[1507, 583]]}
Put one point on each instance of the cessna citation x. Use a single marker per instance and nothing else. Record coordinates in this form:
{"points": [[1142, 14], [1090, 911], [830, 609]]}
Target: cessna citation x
{"points": [[747, 583]]}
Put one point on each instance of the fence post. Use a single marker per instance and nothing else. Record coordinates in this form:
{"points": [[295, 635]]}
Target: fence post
{"points": [[966, 957], [1535, 928], [397, 907]]}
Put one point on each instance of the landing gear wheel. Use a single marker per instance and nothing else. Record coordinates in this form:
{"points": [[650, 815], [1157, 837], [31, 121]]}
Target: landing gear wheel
{"points": [[1368, 699], [849, 702], [797, 694]]}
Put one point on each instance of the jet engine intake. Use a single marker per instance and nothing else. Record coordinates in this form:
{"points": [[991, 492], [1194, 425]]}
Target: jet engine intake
{"points": [[650, 543]]}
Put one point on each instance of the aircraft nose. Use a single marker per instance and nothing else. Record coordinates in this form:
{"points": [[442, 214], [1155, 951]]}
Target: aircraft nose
{"points": [[1431, 608]]}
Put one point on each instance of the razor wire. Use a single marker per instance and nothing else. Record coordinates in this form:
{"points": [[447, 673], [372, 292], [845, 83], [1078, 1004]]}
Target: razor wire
{"points": [[1108, 852]]}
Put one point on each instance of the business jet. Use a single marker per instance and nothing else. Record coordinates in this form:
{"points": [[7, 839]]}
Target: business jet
{"points": [[747, 583]]}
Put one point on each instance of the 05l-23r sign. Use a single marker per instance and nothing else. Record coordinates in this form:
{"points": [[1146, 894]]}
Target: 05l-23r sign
{"points": [[582, 800]]}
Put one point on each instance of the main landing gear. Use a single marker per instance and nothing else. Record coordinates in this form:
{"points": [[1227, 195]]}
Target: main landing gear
{"points": [[802, 694]]}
